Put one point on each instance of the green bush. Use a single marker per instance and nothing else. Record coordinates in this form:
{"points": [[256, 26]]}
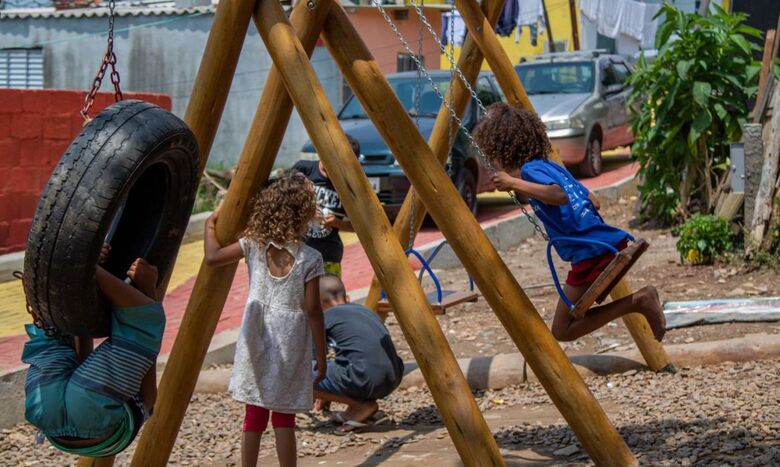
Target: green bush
{"points": [[687, 106], [703, 238]]}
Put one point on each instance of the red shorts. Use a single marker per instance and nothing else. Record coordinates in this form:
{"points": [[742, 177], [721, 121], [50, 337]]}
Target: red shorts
{"points": [[587, 271], [256, 419]]}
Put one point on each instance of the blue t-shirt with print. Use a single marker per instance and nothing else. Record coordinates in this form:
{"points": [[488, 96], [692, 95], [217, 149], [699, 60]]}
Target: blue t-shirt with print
{"points": [[578, 218]]}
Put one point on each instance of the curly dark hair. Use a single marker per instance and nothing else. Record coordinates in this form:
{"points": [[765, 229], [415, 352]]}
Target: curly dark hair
{"points": [[510, 136], [282, 209]]}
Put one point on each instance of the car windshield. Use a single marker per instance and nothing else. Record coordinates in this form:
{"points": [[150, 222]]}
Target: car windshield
{"points": [[406, 90], [557, 78]]}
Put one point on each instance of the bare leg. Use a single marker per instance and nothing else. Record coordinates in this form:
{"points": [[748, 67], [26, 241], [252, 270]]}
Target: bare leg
{"points": [[119, 294], [149, 387], [644, 301], [250, 448], [286, 449]]}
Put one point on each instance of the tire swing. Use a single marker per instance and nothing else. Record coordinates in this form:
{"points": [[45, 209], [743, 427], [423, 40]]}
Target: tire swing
{"points": [[128, 179]]}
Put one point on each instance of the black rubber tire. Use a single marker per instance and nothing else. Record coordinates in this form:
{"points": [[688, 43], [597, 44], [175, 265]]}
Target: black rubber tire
{"points": [[134, 162], [592, 164]]}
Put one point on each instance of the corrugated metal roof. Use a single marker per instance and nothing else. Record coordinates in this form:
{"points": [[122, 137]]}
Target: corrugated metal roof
{"points": [[159, 9]]}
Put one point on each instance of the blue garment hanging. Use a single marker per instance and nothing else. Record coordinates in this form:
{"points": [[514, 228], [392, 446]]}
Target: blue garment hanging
{"points": [[508, 20]]}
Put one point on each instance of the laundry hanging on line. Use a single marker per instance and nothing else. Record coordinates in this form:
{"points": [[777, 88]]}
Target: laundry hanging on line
{"points": [[508, 20], [457, 35], [628, 17]]}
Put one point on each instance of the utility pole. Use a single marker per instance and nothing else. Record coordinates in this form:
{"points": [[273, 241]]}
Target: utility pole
{"points": [[575, 36], [704, 7], [549, 27]]}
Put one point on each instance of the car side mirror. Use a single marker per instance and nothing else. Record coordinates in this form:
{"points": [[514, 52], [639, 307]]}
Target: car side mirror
{"points": [[614, 88]]}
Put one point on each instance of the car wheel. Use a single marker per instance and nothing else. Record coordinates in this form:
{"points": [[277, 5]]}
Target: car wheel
{"points": [[592, 165], [468, 190]]}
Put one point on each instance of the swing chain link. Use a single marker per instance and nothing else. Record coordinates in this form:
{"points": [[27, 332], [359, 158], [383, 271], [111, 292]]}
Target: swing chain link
{"points": [[454, 116], [108, 59], [449, 53]]}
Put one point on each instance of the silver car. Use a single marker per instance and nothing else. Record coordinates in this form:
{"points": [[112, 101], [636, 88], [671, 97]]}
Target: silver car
{"points": [[582, 99]]}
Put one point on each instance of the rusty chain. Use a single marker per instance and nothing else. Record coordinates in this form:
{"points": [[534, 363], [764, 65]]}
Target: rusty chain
{"points": [[108, 59]]}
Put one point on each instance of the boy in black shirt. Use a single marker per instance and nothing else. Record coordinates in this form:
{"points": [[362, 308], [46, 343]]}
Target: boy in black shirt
{"points": [[325, 237]]}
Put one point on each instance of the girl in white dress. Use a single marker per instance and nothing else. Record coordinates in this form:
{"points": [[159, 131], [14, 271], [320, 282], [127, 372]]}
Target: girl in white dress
{"points": [[272, 366]]}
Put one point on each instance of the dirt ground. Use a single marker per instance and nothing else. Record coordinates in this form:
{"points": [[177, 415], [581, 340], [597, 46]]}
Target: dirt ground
{"points": [[473, 329], [727, 414]]}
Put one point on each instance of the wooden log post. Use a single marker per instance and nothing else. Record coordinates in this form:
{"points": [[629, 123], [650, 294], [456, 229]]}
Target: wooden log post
{"points": [[449, 388], [480, 29], [213, 284], [766, 188], [513, 308], [469, 63]]}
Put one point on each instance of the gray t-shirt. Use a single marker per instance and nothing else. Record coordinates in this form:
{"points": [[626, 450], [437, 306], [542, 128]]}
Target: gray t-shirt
{"points": [[366, 366]]}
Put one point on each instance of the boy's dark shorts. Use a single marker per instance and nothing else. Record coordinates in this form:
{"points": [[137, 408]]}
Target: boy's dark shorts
{"points": [[587, 271]]}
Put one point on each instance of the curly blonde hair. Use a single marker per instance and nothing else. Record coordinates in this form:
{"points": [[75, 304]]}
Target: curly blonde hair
{"points": [[510, 136], [282, 210]]}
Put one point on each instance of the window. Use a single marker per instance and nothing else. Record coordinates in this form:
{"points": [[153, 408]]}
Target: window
{"points": [[621, 72], [405, 62], [21, 68], [557, 77], [485, 91]]}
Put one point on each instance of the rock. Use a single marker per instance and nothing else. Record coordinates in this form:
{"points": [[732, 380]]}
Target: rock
{"points": [[567, 451]]}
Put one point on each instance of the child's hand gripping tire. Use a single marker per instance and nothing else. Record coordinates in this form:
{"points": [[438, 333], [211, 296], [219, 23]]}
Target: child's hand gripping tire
{"points": [[129, 179]]}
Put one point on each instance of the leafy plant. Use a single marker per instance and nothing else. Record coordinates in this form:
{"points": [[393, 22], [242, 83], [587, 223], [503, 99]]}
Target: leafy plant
{"points": [[687, 106], [703, 238]]}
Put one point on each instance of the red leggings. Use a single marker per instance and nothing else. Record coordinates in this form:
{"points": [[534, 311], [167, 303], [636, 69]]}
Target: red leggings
{"points": [[256, 419]]}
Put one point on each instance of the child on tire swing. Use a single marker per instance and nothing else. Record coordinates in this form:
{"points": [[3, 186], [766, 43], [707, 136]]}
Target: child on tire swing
{"points": [[95, 405], [514, 139], [272, 369]]}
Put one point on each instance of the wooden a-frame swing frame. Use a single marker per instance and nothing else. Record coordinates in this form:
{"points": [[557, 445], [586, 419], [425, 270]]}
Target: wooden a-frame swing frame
{"points": [[292, 80]]}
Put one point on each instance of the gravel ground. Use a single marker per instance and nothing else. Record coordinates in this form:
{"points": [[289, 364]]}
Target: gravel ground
{"points": [[473, 329], [727, 414]]}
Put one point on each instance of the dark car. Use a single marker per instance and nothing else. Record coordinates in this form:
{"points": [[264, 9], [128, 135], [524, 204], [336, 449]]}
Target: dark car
{"points": [[384, 173]]}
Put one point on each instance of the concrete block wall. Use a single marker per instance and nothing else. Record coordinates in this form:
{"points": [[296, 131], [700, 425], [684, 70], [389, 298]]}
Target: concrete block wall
{"points": [[36, 127]]}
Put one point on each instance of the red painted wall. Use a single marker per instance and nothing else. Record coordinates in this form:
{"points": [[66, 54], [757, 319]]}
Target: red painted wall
{"points": [[383, 43], [36, 126]]}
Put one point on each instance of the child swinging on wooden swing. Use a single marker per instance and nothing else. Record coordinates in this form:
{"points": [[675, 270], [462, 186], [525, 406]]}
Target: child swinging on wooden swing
{"points": [[513, 139]]}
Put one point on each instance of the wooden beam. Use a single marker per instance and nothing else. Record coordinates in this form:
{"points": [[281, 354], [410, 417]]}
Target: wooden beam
{"points": [[766, 188], [467, 428], [513, 308], [469, 63], [213, 284], [575, 35], [767, 63]]}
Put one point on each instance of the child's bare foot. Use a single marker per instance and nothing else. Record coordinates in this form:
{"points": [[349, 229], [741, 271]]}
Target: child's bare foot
{"points": [[652, 310], [144, 276]]}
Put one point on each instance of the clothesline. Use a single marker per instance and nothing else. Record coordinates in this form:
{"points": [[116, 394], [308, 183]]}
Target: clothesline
{"points": [[628, 17]]}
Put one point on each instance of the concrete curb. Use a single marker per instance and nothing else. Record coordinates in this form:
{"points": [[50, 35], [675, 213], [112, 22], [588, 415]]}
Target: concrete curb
{"points": [[15, 261], [499, 371]]}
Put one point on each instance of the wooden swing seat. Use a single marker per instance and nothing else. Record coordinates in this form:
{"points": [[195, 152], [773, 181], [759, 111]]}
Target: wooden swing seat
{"points": [[449, 298], [609, 278]]}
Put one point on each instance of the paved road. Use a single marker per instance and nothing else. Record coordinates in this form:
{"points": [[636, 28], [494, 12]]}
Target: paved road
{"points": [[357, 274]]}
